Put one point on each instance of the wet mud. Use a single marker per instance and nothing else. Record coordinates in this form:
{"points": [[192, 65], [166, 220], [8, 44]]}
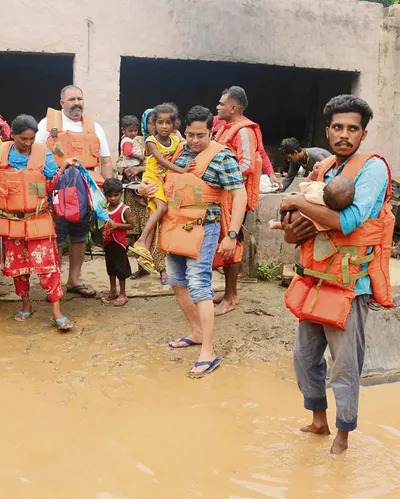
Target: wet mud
{"points": [[106, 411]]}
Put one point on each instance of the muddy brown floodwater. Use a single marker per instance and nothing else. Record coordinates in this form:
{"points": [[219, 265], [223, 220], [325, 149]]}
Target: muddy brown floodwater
{"points": [[107, 413]]}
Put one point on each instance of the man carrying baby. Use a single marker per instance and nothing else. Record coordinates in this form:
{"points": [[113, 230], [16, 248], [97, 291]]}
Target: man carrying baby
{"points": [[341, 267], [337, 195]]}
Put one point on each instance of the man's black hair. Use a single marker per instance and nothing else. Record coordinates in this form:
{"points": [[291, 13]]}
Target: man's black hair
{"points": [[112, 186], [129, 120], [348, 104], [199, 113], [238, 94], [290, 146]]}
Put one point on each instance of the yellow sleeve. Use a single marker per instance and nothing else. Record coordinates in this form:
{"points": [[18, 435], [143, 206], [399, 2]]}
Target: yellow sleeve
{"points": [[175, 142]]}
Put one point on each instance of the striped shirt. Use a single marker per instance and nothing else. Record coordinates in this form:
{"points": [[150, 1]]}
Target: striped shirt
{"points": [[223, 172]]}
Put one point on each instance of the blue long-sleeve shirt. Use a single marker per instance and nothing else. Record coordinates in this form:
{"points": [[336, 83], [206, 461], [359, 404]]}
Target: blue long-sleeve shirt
{"points": [[370, 188]]}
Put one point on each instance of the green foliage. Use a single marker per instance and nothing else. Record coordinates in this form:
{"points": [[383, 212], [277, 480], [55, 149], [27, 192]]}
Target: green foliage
{"points": [[268, 270], [385, 3]]}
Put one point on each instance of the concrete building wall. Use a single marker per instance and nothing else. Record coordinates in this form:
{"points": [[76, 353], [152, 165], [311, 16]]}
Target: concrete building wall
{"points": [[329, 34]]}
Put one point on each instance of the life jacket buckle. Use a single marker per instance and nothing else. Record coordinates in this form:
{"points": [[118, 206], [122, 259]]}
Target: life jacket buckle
{"points": [[54, 133], [299, 269], [189, 225]]}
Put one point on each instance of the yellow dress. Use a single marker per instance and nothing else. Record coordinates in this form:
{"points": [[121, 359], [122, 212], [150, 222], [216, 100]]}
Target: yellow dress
{"points": [[154, 172]]}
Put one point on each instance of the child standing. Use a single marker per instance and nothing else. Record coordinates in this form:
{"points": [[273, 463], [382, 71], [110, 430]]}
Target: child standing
{"points": [[132, 148], [115, 242], [159, 150]]}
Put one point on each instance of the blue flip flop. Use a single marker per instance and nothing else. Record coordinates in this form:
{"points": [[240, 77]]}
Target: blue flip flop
{"points": [[23, 316], [188, 341], [63, 324], [213, 364]]}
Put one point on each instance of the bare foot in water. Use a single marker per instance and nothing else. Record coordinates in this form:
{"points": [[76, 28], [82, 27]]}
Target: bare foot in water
{"points": [[224, 307], [312, 428], [340, 444]]}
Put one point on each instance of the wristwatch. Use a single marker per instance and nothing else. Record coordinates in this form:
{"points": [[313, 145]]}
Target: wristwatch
{"points": [[232, 234]]}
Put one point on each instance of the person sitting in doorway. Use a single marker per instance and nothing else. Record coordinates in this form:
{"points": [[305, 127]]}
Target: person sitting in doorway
{"points": [[298, 157]]}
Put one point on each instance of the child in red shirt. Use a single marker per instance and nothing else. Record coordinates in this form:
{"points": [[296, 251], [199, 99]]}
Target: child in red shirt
{"points": [[115, 242]]}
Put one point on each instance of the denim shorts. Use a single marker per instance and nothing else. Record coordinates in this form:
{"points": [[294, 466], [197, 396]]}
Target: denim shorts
{"points": [[77, 232], [184, 272]]}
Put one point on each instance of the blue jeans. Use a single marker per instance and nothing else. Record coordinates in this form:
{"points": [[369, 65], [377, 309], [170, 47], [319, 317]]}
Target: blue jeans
{"points": [[184, 272]]}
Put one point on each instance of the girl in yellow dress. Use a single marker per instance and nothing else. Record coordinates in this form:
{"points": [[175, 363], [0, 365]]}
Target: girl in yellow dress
{"points": [[160, 149]]}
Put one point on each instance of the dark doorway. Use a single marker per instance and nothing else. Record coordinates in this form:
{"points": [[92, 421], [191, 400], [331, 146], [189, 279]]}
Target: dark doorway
{"points": [[285, 101], [30, 83]]}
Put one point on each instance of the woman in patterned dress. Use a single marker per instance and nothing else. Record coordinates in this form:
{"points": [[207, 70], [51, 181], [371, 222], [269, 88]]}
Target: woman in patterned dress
{"points": [[22, 257]]}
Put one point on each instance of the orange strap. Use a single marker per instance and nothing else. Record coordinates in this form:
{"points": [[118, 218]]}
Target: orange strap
{"points": [[4, 152], [353, 167], [227, 132], [54, 121], [37, 157], [178, 152], [88, 123], [203, 159]]}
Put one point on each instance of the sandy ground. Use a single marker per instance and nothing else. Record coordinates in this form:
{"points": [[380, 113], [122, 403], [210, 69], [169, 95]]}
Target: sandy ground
{"points": [[260, 328]]}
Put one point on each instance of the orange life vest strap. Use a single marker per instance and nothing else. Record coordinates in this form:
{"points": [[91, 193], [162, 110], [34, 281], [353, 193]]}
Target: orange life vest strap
{"points": [[353, 167], [203, 159], [178, 152], [88, 123], [227, 132], [55, 122], [4, 152], [37, 157]]}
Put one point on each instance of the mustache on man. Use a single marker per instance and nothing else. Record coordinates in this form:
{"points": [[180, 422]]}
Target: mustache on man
{"points": [[344, 143]]}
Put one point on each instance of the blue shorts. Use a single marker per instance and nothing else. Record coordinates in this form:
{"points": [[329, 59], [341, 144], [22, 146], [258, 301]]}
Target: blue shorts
{"points": [[184, 272], [77, 232]]}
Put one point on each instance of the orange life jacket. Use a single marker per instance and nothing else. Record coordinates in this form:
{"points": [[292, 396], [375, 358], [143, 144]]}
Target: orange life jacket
{"points": [[323, 289], [251, 177], [24, 212], [82, 145], [189, 197]]}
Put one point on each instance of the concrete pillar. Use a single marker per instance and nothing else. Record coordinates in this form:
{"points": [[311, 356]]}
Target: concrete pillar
{"points": [[96, 71]]}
